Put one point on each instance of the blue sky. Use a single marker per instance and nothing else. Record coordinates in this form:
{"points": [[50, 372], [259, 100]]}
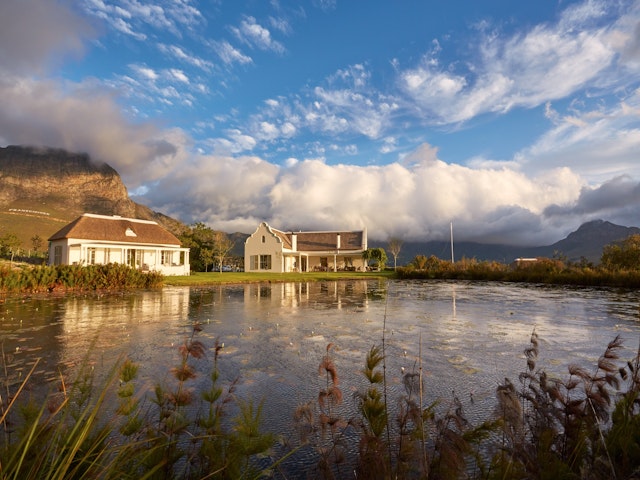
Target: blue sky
{"points": [[516, 121]]}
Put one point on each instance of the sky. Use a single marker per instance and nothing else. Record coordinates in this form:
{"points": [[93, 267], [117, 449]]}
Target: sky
{"points": [[513, 122]]}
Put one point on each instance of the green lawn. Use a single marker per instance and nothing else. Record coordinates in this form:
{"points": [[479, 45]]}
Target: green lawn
{"points": [[217, 278]]}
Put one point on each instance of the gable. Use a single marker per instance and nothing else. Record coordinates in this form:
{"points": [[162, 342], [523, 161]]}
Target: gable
{"points": [[117, 230]]}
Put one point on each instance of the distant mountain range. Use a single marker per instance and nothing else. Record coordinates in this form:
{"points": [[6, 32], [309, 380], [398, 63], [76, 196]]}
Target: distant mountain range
{"points": [[586, 242], [42, 189]]}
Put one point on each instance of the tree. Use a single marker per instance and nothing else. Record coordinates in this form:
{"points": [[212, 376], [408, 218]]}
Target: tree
{"points": [[207, 256], [420, 262], [376, 254], [36, 242], [623, 255], [395, 245], [222, 245], [206, 246], [199, 237], [10, 244]]}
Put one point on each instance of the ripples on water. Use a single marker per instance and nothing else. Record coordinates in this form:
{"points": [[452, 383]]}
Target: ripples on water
{"points": [[471, 335]]}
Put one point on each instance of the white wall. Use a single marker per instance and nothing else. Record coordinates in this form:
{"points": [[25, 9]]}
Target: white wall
{"points": [[264, 242]]}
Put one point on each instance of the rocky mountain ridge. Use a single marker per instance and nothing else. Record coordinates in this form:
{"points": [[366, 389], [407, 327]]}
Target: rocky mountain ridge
{"points": [[53, 187]]}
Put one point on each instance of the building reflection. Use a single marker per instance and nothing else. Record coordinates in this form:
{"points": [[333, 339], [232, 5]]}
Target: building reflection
{"points": [[338, 295], [83, 315]]}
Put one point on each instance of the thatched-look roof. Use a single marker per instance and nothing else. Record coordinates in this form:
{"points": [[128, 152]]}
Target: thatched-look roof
{"points": [[322, 241], [115, 229]]}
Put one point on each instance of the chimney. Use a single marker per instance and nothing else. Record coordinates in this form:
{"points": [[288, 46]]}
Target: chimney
{"points": [[338, 242], [294, 242]]}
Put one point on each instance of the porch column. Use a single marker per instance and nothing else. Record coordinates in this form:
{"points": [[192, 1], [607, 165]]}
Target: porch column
{"points": [[335, 262]]}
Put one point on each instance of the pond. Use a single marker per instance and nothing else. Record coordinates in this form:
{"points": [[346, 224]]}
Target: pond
{"points": [[466, 336]]}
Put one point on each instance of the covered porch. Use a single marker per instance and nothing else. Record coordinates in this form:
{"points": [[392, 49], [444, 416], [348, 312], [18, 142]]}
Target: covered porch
{"points": [[329, 262]]}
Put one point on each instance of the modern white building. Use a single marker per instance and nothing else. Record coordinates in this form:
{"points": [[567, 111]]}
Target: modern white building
{"points": [[269, 249], [100, 239]]}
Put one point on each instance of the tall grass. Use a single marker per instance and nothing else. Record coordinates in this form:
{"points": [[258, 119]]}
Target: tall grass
{"points": [[543, 270], [84, 431], [583, 426]]}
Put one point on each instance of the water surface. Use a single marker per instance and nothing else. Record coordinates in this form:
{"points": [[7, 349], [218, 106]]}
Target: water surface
{"points": [[466, 336]]}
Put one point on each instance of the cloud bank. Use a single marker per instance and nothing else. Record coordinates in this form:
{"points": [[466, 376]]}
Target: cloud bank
{"points": [[584, 166]]}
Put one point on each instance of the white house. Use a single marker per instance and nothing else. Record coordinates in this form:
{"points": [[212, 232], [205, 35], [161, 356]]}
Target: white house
{"points": [[269, 249], [101, 239]]}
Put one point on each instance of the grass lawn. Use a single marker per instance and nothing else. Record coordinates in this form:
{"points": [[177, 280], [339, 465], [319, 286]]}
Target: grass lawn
{"points": [[217, 278]]}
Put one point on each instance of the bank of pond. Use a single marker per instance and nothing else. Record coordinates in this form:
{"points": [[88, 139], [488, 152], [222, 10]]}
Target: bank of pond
{"points": [[60, 278]]}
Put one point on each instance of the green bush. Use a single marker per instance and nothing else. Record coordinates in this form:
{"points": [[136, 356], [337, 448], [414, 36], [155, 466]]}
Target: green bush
{"points": [[43, 278]]}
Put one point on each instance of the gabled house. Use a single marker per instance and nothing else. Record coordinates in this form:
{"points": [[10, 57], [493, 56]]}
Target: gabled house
{"points": [[101, 239], [269, 249]]}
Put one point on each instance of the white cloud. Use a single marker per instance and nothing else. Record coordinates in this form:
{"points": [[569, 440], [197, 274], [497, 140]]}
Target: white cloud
{"points": [[597, 144], [566, 177], [80, 118], [229, 54], [179, 53], [177, 74], [145, 72], [546, 63], [416, 200], [34, 33], [254, 34], [131, 16], [125, 27]]}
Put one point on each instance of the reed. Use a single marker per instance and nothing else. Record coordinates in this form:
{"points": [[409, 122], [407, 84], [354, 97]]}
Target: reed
{"points": [[583, 426], [74, 434], [543, 270]]}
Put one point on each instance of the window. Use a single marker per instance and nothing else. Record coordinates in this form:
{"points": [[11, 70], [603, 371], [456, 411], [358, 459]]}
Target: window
{"points": [[260, 262], [264, 239], [265, 262], [166, 257], [134, 257], [57, 255], [91, 256]]}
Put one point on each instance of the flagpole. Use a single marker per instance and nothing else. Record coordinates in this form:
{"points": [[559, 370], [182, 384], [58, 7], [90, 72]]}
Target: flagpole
{"points": [[451, 236]]}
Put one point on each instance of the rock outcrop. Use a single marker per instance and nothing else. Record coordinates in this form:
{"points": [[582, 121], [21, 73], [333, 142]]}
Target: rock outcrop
{"points": [[65, 185]]}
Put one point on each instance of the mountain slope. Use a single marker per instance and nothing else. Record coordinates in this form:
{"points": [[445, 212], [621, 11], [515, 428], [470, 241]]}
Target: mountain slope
{"points": [[42, 189]]}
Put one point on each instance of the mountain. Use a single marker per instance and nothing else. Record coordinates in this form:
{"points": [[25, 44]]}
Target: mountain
{"points": [[589, 240], [586, 242], [42, 189]]}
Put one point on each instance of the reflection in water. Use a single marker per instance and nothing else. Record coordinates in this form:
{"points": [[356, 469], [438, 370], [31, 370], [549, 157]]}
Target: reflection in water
{"points": [[471, 335]]}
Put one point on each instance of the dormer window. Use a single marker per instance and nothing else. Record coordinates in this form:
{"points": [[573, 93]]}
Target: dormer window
{"points": [[130, 233]]}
